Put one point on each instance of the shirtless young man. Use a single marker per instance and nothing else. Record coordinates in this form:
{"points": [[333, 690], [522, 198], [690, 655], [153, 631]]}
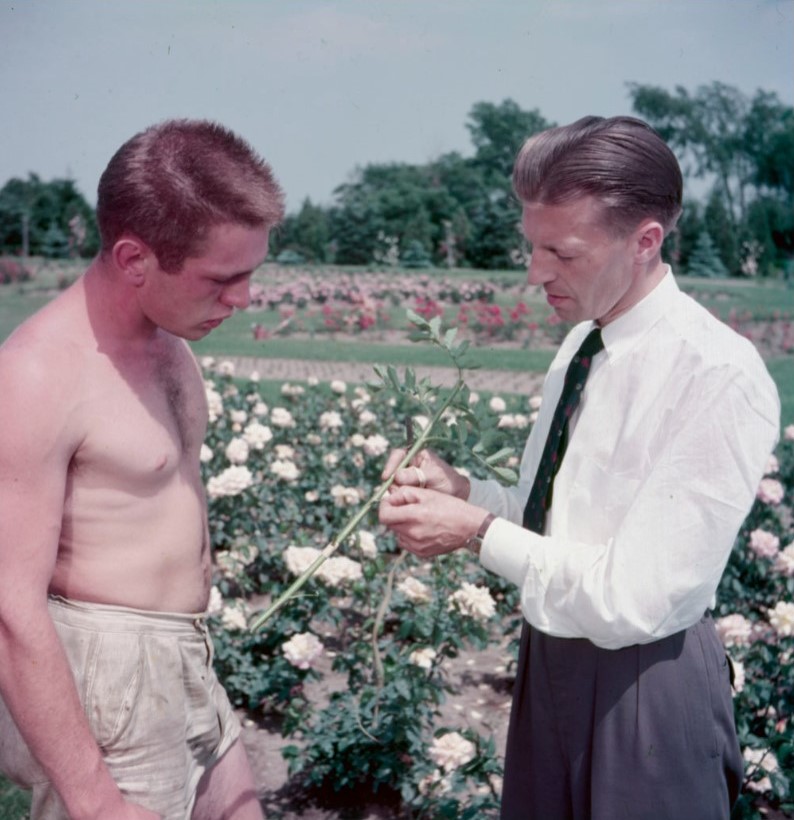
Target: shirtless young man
{"points": [[105, 662]]}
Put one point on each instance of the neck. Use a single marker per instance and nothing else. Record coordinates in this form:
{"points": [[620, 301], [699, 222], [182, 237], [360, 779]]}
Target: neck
{"points": [[112, 307]]}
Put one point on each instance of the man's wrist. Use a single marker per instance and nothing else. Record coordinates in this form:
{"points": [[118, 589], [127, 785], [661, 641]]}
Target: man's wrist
{"points": [[474, 544]]}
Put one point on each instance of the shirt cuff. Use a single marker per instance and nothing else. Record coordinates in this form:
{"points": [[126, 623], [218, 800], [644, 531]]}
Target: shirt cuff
{"points": [[507, 550]]}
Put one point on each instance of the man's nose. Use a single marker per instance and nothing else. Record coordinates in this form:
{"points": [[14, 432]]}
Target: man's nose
{"points": [[539, 270], [237, 295]]}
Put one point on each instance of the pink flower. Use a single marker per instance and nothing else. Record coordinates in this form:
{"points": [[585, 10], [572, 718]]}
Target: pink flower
{"points": [[764, 544], [734, 629], [770, 491]]}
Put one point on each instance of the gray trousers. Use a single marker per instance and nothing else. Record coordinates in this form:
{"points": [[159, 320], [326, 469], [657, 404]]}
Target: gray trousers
{"points": [[642, 733]]}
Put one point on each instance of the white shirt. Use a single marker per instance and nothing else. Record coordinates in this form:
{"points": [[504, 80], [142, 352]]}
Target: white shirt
{"points": [[675, 426]]}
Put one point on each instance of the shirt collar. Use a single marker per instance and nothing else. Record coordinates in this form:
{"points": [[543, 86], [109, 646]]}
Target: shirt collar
{"points": [[624, 332]]}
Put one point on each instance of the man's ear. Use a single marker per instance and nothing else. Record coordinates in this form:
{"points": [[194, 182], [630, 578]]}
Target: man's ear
{"points": [[649, 237], [133, 258]]}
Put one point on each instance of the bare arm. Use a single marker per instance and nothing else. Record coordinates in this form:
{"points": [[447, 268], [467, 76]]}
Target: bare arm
{"points": [[38, 436]]}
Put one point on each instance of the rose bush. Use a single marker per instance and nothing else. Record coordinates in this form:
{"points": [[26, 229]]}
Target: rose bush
{"points": [[387, 625]]}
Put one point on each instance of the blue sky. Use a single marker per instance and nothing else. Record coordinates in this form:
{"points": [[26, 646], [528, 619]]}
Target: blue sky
{"points": [[320, 86]]}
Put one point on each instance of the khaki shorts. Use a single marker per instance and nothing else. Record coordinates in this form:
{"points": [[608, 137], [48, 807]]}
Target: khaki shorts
{"points": [[154, 704]]}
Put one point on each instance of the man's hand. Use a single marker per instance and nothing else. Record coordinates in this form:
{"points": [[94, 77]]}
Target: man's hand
{"points": [[429, 471], [428, 522]]}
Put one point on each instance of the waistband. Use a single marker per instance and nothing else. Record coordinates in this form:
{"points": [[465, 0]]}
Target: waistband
{"points": [[111, 618]]}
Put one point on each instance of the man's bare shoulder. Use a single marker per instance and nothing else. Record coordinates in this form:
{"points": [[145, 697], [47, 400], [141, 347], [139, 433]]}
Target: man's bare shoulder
{"points": [[41, 361]]}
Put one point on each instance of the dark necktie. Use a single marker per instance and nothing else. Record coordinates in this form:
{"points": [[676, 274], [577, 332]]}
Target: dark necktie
{"points": [[539, 499]]}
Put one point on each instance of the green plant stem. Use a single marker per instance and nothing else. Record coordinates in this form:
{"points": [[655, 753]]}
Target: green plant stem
{"points": [[380, 675], [259, 621]]}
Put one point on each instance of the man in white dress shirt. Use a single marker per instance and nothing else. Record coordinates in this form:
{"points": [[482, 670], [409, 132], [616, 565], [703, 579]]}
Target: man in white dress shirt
{"points": [[622, 705]]}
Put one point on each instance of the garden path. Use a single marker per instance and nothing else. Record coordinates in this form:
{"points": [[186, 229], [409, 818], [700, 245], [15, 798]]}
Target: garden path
{"points": [[493, 381]]}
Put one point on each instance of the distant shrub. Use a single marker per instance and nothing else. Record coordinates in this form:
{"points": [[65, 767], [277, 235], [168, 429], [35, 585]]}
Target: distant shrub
{"points": [[12, 271]]}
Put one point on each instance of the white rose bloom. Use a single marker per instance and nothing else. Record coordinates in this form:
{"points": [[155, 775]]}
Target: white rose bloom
{"points": [[367, 543], [435, 783], [784, 561], [520, 421], [338, 386], [226, 368], [764, 759], [535, 402], [336, 570], [330, 420], [205, 455], [734, 629], [376, 445], [414, 590], [238, 416], [362, 394], [260, 409], [312, 381], [254, 377], [474, 397], [771, 491], [311, 496], [423, 658], [474, 601], [367, 417], [207, 362], [313, 439], [507, 421], [285, 470], [237, 451], [291, 389], [497, 404], [281, 417], [331, 459], [299, 559], [257, 435], [782, 618], [215, 604], [357, 440], [452, 750], [422, 421], [214, 404], [285, 451], [234, 617], [358, 460], [533, 416], [764, 544], [345, 496], [303, 650], [232, 481], [738, 676], [788, 433]]}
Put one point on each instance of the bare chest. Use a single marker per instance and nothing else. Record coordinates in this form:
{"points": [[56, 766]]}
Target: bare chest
{"points": [[144, 423]]}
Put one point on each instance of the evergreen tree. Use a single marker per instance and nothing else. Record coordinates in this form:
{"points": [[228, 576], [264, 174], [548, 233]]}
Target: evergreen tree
{"points": [[704, 260]]}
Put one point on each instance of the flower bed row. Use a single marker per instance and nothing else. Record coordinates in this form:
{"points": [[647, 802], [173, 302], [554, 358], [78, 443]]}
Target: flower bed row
{"points": [[282, 480]]}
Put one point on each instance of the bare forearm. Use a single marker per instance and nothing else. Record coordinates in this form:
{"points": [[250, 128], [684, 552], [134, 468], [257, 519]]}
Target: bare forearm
{"points": [[38, 688]]}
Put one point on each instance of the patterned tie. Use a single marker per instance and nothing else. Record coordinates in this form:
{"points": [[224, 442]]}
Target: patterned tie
{"points": [[539, 499]]}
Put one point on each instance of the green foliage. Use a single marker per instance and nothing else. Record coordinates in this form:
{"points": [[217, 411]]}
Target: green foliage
{"points": [[46, 218], [704, 260], [744, 147], [14, 802]]}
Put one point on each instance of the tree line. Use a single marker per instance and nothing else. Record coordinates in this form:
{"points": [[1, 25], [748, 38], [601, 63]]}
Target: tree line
{"points": [[459, 211]]}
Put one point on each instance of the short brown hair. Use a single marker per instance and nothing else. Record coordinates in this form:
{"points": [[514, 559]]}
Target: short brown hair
{"points": [[171, 183], [620, 161]]}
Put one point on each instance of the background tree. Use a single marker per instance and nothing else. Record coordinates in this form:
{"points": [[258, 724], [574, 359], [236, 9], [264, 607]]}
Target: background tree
{"points": [[744, 147], [35, 219]]}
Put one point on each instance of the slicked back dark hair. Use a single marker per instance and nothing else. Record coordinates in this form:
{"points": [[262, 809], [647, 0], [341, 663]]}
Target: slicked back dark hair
{"points": [[619, 161], [170, 184]]}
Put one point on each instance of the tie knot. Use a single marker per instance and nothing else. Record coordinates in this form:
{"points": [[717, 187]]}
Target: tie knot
{"points": [[592, 344]]}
